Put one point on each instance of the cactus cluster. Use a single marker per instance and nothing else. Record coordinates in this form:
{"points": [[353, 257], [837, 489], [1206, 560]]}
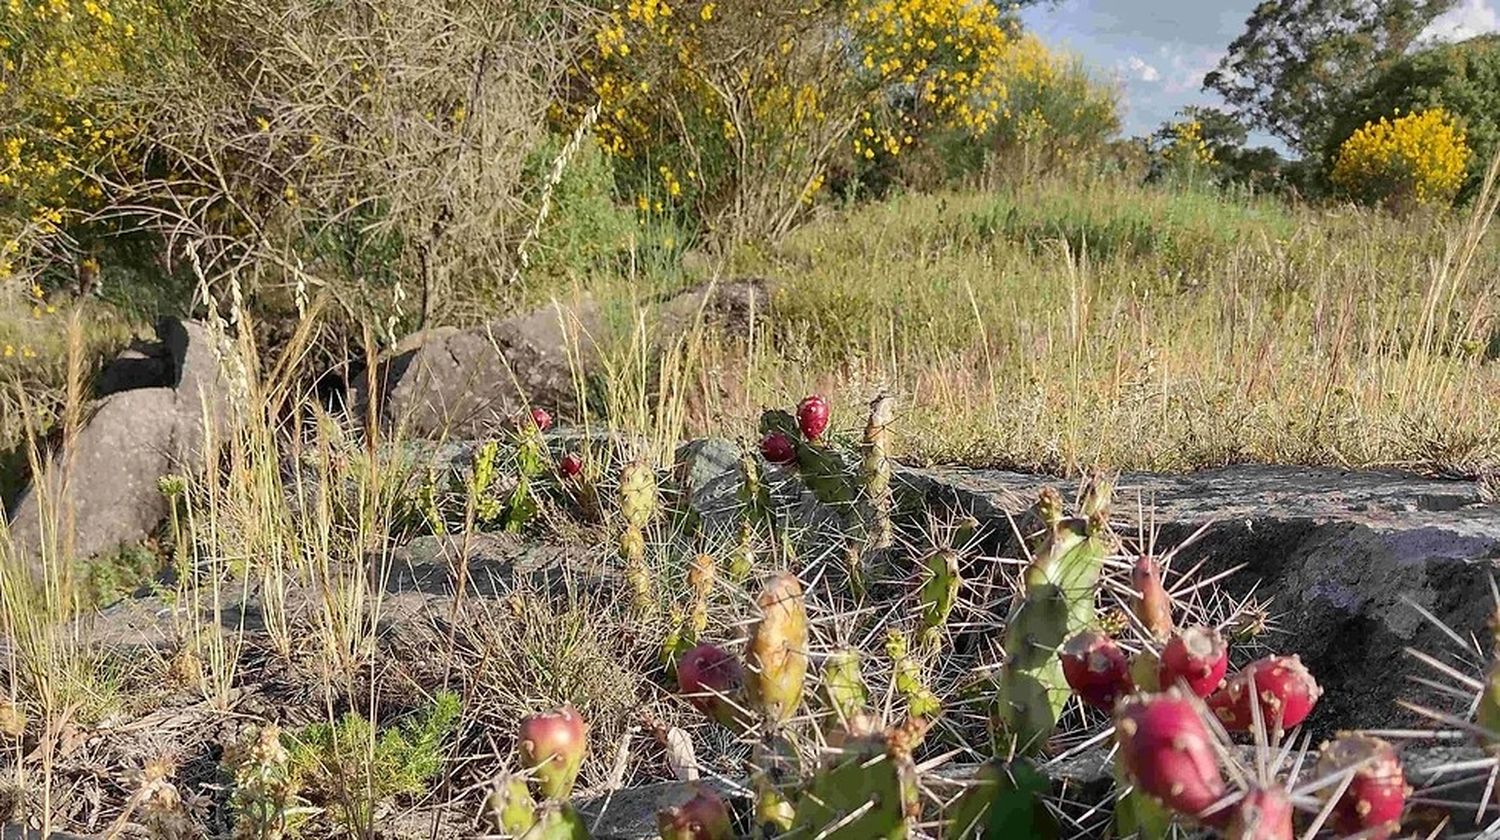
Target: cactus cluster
{"points": [[833, 729]]}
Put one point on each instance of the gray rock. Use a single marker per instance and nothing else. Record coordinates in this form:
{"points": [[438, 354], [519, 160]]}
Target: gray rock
{"points": [[468, 383], [102, 489], [1343, 554], [733, 306]]}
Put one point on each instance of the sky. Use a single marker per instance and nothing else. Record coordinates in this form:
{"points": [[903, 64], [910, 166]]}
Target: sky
{"points": [[1158, 50]]}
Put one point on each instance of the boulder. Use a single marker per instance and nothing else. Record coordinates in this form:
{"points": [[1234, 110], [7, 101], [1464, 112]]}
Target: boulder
{"points": [[468, 383], [101, 489], [732, 305], [1344, 556]]}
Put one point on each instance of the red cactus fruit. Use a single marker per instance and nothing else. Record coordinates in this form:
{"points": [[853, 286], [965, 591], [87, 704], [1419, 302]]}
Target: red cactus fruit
{"points": [[711, 679], [1372, 803], [1096, 669], [571, 465], [1197, 656], [541, 419], [552, 746], [778, 448], [812, 417], [704, 817], [1166, 750], [1265, 813], [1286, 691]]}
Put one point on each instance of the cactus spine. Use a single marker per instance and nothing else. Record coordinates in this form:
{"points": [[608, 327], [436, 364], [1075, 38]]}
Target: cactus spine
{"points": [[875, 469], [1056, 603], [638, 502]]}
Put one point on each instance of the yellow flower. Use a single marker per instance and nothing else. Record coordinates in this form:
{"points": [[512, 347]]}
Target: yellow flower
{"points": [[707, 12]]}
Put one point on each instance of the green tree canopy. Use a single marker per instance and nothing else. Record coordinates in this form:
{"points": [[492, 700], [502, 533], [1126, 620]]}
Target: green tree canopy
{"points": [[1289, 73], [1463, 78]]}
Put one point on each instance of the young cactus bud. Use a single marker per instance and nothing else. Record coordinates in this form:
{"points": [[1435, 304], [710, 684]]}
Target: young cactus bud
{"points": [[637, 493], [920, 701], [1286, 693], [704, 817], [812, 417], [1197, 657], [1167, 752], [633, 551], [844, 685], [1152, 604], [712, 680], [700, 580], [509, 808], [1265, 813], [1372, 803], [1096, 669], [552, 746], [875, 469], [777, 651], [938, 594], [742, 560]]}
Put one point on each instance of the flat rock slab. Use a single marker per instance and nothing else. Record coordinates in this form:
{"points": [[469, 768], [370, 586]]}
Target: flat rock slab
{"points": [[1345, 556]]}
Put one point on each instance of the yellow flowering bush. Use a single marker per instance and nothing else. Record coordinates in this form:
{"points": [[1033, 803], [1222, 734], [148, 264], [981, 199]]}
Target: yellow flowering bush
{"points": [[59, 131], [733, 113], [1419, 158]]}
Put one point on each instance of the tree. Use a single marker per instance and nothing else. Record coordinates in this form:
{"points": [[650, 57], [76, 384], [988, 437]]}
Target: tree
{"points": [[1462, 78], [1290, 72], [1223, 140]]}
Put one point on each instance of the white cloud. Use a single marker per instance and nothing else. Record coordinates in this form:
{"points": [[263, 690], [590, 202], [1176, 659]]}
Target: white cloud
{"points": [[1469, 18], [1141, 70]]}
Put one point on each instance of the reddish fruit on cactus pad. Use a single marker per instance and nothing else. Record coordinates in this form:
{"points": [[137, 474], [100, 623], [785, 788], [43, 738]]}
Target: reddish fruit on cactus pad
{"points": [[778, 448], [1197, 656], [1372, 803], [812, 417], [571, 465], [1284, 688], [704, 817], [711, 679], [552, 747], [1264, 814], [1096, 669], [541, 419], [1167, 751]]}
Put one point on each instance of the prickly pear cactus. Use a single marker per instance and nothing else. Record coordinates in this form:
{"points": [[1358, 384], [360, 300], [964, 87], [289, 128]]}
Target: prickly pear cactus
{"points": [[875, 469], [920, 701], [844, 685], [1056, 602], [509, 808], [638, 503], [938, 594], [557, 821], [863, 795], [776, 655], [1004, 799], [822, 467]]}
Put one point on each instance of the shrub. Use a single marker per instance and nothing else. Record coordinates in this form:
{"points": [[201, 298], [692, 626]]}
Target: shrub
{"points": [[357, 769], [731, 115], [1419, 158], [1463, 79]]}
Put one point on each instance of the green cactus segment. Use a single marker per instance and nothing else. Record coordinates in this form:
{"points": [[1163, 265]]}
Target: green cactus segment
{"points": [[875, 470], [844, 684], [938, 594], [1137, 815], [509, 809], [863, 796], [1057, 602], [773, 768], [1488, 713], [821, 467], [557, 821], [920, 701], [754, 494], [1004, 800]]}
